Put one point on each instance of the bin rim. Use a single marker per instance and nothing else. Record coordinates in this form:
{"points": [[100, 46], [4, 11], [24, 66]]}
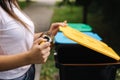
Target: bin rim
{"points": [[117, 64]]}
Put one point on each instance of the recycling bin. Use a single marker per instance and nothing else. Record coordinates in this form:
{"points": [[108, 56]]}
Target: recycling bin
{"points": [[76, 62], [80, 26], [86, 72]]}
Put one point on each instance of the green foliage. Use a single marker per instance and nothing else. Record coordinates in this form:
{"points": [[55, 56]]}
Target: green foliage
{"points": [[23, 4], [109, 9], [69, 13]]}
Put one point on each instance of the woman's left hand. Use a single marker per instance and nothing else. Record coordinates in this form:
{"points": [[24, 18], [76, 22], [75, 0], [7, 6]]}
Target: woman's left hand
{"points": [[54, 28]]}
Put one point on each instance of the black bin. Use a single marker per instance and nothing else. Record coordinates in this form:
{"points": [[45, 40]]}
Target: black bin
{"points": [[76, 62], [85, 72]]}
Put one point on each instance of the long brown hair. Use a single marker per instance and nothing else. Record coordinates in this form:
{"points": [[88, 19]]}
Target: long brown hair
{"points": [[7, 6]]}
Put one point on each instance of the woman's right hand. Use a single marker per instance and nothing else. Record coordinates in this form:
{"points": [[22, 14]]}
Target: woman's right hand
{"points": [[39, 52]]}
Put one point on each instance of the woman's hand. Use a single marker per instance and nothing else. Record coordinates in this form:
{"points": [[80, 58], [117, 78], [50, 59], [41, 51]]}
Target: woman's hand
{"points": [[39, 52], [55, 27]]}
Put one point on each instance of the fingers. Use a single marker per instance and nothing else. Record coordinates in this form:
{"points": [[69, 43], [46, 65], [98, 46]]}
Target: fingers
{"points": [[45, 52], [44, 45], [65, 22], [55, 27], [39, 40], [45, 57], [62, 24], [39, 53]]}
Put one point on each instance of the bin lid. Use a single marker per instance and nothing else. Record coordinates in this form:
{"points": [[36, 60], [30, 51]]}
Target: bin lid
{"points": [[61, 39], [89, 42], [80, 26]]}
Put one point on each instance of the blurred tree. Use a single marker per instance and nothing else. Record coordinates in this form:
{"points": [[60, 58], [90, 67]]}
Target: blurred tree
{"points": [[109, 9], [65, 2], [27, 0], [85, 4]]}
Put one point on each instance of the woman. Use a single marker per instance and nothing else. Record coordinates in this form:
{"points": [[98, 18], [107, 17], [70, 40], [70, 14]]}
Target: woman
{"points": [[19, 46]]}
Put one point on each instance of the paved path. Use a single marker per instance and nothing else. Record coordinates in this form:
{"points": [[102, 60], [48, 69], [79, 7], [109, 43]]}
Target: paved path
{"points": [[41, 13]]}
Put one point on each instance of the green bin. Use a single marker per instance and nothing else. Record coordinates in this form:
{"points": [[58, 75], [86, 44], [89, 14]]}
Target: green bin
{"points": [[80, 26]]}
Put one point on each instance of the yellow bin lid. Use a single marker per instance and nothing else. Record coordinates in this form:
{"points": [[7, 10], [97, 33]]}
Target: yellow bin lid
{"points": [[89, 42]]}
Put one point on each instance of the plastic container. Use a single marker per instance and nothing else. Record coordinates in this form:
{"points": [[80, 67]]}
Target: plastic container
{"points": [[80, 26], [76, 62], [78, 72], [71, 52]]}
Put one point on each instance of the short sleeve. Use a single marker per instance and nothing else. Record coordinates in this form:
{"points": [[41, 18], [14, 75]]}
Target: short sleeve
{"points": [[1, 22], [0, 19], [0, 15]]}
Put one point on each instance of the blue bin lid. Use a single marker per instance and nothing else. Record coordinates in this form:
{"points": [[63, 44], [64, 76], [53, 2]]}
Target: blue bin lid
{"points": [[61, 39]]}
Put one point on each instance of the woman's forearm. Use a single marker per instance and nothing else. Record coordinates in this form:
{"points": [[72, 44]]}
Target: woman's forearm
{"points": [[36, 55], [8, 62]]}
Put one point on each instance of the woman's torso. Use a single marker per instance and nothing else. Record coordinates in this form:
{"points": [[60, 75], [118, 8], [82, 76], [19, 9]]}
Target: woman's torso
{"points": [[14, 38]]}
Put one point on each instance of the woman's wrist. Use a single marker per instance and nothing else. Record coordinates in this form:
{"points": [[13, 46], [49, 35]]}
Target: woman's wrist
{"points": [[28, 58]]}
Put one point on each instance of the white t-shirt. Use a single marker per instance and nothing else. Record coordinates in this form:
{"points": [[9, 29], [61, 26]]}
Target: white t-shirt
{"points": [[14, 38]]}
